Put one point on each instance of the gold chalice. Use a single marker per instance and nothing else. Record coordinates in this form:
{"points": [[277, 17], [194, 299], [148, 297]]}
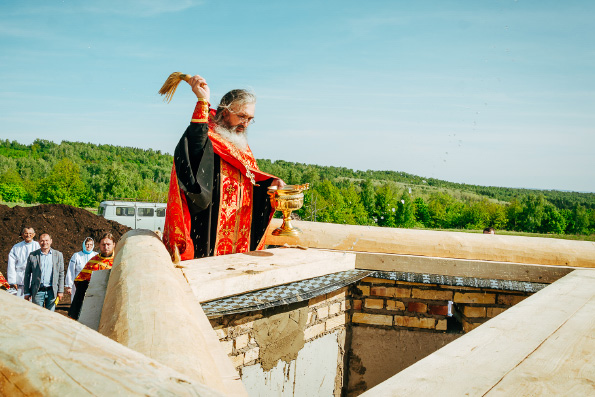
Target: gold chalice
{"points": [[287, 199]]}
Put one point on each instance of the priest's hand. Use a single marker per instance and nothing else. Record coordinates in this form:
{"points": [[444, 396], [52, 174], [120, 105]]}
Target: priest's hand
{"points": [[278, 183], [200, 87], [68, 290]]}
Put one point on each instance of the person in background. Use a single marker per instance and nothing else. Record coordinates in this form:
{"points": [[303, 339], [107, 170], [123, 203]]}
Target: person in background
{"points": [[102, 261], [3, 283], [17, 261], [77, 263], [44, 274], [489, 230]]}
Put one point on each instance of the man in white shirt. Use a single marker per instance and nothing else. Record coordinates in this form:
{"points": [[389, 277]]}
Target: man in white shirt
{"points": [[17, 261]]}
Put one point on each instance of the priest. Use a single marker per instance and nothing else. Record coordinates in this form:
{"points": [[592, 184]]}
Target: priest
{"points": [[217, 202]]}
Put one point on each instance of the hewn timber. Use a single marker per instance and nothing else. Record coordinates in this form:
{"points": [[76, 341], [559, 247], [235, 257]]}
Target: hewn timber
{"points": [[43, 353], [227, 275], [461, 267], [499, 248], [149, 307], [543, 345]]}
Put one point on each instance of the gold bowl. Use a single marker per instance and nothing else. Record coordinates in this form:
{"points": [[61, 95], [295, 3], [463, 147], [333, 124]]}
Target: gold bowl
{"points": [[287, 199]]}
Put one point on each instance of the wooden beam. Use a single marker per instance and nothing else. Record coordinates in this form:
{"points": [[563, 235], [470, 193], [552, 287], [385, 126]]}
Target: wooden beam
{"points": [[46, 354], [563, 365], [498, 248], [221, 276], [461, 267], [149, 308], [503, 348]]}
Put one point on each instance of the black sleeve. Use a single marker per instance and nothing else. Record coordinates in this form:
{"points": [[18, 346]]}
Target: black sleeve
{"points": [[194, 159]]}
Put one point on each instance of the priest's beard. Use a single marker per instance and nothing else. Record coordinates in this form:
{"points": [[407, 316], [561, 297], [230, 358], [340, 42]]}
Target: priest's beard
{"points": [[238, 139]]}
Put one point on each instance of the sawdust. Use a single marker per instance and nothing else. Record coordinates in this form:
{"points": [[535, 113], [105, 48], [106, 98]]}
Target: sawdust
{"points": [[280, 337]]}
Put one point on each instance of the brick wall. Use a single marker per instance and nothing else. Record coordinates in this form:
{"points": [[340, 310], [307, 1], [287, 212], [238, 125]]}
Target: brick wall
{"points": [[406, 305], [326, 313]]}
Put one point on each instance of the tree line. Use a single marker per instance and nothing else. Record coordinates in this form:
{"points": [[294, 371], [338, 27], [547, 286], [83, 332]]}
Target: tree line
{"points": [[84, 174]]}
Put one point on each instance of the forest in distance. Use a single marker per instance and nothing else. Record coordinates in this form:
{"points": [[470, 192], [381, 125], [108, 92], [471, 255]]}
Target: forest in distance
{"points": [[84, 174]]}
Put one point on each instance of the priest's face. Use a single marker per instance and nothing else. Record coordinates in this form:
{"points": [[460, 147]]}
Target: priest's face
{"points": [[238, 117]]}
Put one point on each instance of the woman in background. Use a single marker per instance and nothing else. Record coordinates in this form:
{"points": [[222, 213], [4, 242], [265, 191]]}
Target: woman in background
{"points": [[77, 263]]}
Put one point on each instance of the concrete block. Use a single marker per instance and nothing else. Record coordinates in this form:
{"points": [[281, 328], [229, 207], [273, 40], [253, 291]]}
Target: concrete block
{"points": [[221, 333], [241, 341], [227, 346], [335, 308], [251, 355], [314, 331], [322, 312], [336, 321], [341, 293], [238, 360]]}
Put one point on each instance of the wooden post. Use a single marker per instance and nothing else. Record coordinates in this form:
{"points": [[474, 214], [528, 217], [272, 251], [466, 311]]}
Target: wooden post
{"points": [[528, 250], [43, 353], [150, 308]]}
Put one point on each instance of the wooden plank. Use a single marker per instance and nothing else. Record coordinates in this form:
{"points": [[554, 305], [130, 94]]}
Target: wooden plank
{"points": [[94, 297], [221, 276], [149, 308], [477, 361], [563, 365], [499, 248], [461, 267], [46, 354]]}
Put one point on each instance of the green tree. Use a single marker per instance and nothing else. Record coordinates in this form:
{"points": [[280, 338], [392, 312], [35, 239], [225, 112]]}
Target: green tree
{"points": [[63, 185], [405, 213], [422, 212]]}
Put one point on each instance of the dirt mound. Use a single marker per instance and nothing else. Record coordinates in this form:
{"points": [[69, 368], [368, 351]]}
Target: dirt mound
{"points": [[67, 225]]}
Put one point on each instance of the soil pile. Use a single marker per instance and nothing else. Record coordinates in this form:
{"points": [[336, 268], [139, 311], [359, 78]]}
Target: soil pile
{"points": [[67, 225]]}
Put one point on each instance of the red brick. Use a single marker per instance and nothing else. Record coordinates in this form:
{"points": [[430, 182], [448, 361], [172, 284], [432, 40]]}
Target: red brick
{"points": [[441, 310], [510, 300], [357, 304], [364, 289], [417, 307]]}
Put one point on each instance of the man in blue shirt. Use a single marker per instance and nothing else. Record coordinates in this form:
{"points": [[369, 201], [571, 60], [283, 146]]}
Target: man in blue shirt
{"points": [[44, 274]]}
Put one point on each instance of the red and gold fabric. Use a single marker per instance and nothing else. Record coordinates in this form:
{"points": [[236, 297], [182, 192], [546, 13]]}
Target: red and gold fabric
{"points": [[98, 262], [3, 283], [239, 174]]}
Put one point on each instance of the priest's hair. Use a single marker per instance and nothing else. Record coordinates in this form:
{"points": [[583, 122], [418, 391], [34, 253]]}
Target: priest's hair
{"points": [[234, 98]]}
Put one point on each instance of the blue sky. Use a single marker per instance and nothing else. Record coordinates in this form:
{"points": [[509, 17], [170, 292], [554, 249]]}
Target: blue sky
{"points": [[498, 93]]}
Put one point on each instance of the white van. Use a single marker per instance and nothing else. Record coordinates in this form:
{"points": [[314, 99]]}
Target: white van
{"points": [[134, 214]]}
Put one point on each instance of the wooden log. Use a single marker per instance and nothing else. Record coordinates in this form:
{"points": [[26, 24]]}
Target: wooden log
{"points": [[150, 308], [548, 337], [43, 353], [228, 275], [461, 267], [528, 250]]}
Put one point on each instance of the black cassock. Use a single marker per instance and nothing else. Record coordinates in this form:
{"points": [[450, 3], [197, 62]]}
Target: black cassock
{"points": [[198, 172]]}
